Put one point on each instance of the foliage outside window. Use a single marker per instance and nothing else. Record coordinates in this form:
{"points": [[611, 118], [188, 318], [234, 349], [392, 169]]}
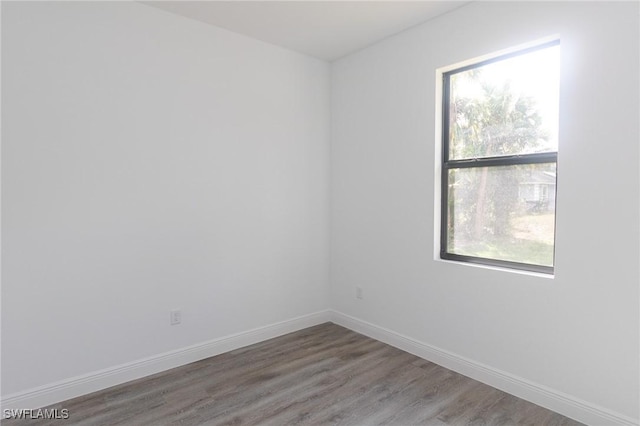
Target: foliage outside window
{"points": [[500, 143]]}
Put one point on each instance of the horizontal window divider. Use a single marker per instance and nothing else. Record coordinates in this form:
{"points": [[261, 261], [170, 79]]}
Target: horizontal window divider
{"points": [[507, 160]]}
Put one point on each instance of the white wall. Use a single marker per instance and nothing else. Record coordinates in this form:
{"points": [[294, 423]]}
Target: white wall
{"points": [[576, 334], [152, 162]]}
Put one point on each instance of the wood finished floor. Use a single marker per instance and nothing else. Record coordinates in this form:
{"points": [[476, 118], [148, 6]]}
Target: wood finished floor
{"points": [[321, 375]]}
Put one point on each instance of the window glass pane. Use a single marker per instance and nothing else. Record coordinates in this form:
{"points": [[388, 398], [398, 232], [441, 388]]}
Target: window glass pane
{"points": [[506, 107], [503, 213]]}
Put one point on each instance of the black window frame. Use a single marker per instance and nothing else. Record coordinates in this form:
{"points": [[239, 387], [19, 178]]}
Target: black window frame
{"points": [[495, 161]]}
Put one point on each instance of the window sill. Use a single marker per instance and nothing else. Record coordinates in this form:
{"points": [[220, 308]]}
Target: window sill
{"points": [[498, 268]]}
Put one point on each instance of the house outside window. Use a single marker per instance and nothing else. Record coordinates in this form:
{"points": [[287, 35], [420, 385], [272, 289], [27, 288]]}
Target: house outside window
{"points": [[499, 162]]}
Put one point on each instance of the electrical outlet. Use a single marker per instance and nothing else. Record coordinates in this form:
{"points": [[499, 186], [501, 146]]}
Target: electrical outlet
{"points": [[176, 316], [358, 292]]}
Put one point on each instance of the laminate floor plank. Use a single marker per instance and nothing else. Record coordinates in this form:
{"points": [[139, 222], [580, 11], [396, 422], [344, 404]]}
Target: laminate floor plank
{"points": [[323, 375]]}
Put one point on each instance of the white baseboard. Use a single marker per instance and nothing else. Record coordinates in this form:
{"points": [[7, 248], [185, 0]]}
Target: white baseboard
{"points": [[81, 385], [559, 402]]}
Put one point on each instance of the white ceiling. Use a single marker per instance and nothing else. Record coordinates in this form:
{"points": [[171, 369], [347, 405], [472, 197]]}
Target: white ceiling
{"points": [[327, 30]]}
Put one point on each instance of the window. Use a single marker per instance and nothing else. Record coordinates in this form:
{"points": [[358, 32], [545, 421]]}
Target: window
{"points": [[499, 162]]}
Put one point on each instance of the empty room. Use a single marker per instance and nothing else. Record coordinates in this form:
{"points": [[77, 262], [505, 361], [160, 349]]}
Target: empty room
{"points": [[320, 212]]}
